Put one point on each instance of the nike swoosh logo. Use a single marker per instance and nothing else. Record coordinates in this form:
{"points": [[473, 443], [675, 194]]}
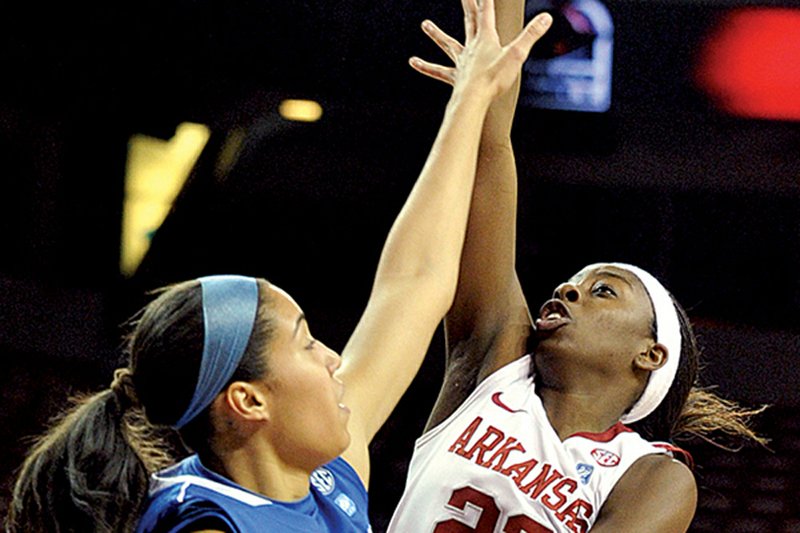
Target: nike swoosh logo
{"points": [[498, 402]]}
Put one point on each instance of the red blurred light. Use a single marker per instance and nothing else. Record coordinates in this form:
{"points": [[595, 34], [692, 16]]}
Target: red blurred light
{"points": [[750, 63]]}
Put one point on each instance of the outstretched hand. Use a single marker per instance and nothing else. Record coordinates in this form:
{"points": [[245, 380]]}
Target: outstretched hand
{"points": [[481, 59]]}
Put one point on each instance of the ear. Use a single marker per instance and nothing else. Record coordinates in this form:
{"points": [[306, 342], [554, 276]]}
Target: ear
{"points": [[247, 401], [653, 358]]}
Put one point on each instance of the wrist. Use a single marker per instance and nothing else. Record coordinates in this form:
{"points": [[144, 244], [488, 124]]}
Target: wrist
{"points": [[494, 145], [472, 97]]}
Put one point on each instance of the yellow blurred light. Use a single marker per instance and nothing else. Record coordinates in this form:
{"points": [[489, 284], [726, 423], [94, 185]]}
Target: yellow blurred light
{"points": [[156, 171], [300, 110]]}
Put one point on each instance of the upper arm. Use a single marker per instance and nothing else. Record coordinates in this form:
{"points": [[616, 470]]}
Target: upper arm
{"points": [[478, 345], [382, 357], [657, 494], [196, 516]]}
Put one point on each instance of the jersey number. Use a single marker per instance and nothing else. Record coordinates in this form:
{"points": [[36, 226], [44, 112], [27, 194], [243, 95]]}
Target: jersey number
{"points": [[490, 515]]}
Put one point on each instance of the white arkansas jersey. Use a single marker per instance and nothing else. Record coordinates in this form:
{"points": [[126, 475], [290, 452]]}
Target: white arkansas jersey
{"points": [[496, 465]]}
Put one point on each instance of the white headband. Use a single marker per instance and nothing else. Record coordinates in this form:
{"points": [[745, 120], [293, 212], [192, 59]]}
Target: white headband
{"points": [[668, 333]]}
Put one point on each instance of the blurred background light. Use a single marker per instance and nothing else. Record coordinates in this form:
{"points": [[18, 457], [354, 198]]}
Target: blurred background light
{"points": [[155, 173], [300, 110], [750, 64]]}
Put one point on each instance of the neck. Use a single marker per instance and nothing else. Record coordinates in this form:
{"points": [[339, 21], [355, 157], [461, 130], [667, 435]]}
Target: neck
{"points": [[576, 412], [579, 402], [258, 468]]}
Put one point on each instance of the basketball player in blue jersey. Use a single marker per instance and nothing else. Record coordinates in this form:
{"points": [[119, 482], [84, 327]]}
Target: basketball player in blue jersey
{"points": [[279, 423], [576, 436]]}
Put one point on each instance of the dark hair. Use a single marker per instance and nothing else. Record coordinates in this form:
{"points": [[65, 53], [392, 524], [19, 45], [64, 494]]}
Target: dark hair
{"points": [[690, 411], [90, 471]]}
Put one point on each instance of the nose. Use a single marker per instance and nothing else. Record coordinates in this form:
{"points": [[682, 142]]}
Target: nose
{"points": [[333, 360], [568, 292]]}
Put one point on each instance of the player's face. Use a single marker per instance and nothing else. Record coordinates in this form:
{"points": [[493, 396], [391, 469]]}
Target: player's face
{"points": [[602, 315], [308, 422]]}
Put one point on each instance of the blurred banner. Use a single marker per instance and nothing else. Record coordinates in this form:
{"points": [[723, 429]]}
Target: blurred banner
{"points": [[570, 68]]}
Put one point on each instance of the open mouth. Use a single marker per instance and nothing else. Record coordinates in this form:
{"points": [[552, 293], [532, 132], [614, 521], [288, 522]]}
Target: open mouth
{"points": [[552, 316]]}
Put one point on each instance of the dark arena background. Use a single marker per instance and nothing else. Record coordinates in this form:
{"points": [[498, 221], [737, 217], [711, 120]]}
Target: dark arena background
{"points": [[693, 172]]}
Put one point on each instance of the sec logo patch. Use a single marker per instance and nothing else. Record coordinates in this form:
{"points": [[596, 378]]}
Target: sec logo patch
{"points": [[605, 457], [323, 480]]}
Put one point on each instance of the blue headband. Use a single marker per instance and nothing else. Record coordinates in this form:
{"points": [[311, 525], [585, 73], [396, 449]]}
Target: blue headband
{"points": [[230, 304]]}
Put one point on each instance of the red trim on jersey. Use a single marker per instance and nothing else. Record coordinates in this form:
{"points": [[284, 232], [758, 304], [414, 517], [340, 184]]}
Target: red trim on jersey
{"points": [[606, 436], [498, 402], [687, 457]]}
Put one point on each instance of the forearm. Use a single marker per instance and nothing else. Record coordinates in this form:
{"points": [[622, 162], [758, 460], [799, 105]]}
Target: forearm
{"points": [[486, 286], [510, 16], [427, 237], [417, 272], [488, 258]]}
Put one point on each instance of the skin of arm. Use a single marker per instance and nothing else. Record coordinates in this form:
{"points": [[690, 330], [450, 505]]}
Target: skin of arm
{"points": [[665, 496], [417, 272], [489, 322]]}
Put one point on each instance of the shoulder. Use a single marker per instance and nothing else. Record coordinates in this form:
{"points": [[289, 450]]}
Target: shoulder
{"points": [[342, 472], [340, 496], [338, 481], [473, 389], [183, 498], [657, 493], [663, 470], [193, 514]]}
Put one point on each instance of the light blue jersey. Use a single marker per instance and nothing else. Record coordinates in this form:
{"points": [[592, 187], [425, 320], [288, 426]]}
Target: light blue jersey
{"points": [[188, 495]]}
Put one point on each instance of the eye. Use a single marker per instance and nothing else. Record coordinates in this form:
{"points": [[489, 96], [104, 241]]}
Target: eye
{"points": [[311, 344], [603, 290]]}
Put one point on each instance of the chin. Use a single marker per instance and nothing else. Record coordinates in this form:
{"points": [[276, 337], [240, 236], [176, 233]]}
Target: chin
{"points": [[345, 443], [338, 443]]}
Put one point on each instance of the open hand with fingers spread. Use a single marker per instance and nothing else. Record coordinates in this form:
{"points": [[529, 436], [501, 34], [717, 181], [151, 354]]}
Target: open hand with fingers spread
{"points": [[481, 61]]}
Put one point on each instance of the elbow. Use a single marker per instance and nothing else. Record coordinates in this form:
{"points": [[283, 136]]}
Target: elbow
{"points": [[437, 290], [445, 292], [430, 285]]}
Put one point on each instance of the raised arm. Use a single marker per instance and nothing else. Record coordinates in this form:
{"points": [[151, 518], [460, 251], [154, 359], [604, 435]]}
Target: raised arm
{"points": [[489, 322], [418, 270]]}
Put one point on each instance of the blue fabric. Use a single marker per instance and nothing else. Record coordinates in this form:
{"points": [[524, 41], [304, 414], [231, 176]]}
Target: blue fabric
{"points": [[230, 305], [188, 495]]}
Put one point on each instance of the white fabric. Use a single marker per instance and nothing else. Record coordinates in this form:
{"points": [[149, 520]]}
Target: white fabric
{"points": [[497, 461], [158, 483]]}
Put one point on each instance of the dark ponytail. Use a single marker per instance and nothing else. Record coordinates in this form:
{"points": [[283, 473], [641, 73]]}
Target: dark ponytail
{"points": [[90, 471], [83, 475]]}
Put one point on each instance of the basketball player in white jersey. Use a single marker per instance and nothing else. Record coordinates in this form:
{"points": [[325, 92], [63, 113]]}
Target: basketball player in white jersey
{"points": [[575, 436]]}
